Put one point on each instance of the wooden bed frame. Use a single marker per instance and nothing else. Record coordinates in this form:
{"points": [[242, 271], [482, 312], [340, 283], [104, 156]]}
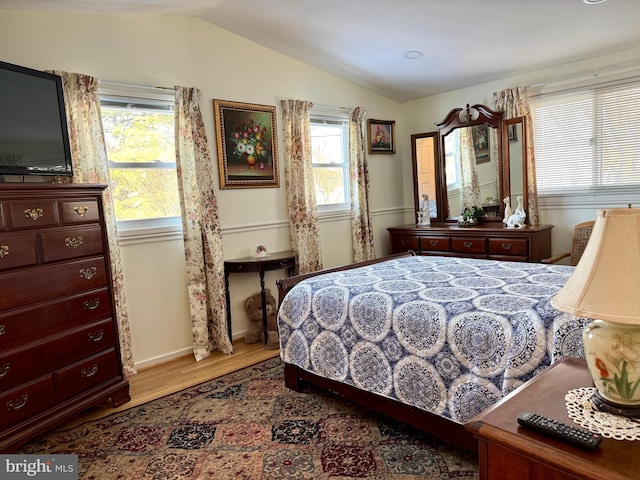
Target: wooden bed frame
{"points": [[431, 423]]}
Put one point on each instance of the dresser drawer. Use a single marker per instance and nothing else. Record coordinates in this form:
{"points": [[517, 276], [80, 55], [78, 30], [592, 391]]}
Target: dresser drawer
{"points": [[86, 374], [51, 281], [17, 250], [32, 214], [44, 357], [87, 341], [60, 244], [434, 244], [25, 401], [84, 211], [26, 325], [509, 246], [469, 245], [400, 243]]}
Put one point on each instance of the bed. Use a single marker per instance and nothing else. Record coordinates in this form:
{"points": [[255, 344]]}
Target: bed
{"points": [[431, 341]]}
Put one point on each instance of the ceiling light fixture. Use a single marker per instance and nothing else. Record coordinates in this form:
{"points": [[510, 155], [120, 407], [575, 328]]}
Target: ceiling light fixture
{"points": [[413, 54], [593, 2]]}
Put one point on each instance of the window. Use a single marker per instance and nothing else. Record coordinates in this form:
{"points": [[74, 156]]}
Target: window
{"points": [[586, 140], [452, 166], [330, 161], [139, 137]]}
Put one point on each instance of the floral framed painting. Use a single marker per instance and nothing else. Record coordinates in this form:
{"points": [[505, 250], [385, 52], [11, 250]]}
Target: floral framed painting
{"points": [[247, 144], [382, 136], [480, 134]]}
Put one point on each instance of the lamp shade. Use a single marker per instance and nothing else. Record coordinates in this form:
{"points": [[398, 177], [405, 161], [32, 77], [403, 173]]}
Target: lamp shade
{"points": [[606, 282]]}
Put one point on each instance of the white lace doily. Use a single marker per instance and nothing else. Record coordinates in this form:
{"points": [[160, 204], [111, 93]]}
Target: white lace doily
{"points": [[581, 410]]}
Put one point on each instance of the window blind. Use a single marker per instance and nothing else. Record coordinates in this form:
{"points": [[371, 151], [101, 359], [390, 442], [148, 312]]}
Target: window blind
{"points": [[587, 139]]}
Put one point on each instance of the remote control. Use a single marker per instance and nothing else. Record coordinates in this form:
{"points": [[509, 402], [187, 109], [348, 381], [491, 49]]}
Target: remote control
{"points": [[579, 437]]}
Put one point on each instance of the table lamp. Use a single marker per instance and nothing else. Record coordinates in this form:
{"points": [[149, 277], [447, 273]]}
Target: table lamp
{"points": [[605, 287]]}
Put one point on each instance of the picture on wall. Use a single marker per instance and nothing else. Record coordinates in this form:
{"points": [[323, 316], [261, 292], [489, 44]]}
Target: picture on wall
{"points": [[247, 144], [381, 136], [480, 135]]}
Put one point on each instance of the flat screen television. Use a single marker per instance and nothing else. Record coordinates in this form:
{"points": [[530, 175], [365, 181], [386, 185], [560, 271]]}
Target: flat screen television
{"points": [[33, 126]]}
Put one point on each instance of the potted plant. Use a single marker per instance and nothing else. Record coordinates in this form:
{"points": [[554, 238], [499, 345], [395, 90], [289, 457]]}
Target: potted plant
{"points": [[470, 216]]}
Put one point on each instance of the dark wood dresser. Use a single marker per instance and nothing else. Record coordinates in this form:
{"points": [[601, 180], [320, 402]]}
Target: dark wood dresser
{"points": [[59, 350], [489, 240]]}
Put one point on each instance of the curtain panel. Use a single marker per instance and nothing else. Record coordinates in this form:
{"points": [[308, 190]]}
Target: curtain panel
{"points": [[304, 229], [90, 165], [201, 228], [361, 225]]}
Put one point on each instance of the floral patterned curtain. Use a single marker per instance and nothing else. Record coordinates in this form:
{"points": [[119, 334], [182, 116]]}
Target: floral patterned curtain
{"points": [[301, 203], [201, 228], [90, 165], [359, 173], [470, 184], [515, 103]]}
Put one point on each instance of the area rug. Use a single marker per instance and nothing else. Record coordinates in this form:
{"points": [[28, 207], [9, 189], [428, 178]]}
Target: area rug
{"points": [[248, 425]]}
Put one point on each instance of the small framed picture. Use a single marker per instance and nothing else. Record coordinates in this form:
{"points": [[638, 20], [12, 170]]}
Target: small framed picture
{"points": [[382, 135], [247, 144]]}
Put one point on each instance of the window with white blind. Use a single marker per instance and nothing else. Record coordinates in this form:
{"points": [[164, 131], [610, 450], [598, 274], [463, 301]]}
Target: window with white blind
{"points": [[588, 140], [330, 161]]}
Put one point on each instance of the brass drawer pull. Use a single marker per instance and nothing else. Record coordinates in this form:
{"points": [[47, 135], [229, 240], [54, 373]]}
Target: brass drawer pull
{"points": [[33, 213], [17, 405], [74, 242], [82, 211], [96, 337], [88, 273], [4, 251], [468, 244], [91, 304], [434, 243], [5, 370], [89, 372], [3, 330], [507, 246]]}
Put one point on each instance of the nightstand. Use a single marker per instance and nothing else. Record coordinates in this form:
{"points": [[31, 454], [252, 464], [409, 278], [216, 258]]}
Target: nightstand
{"points": [[273, 261], [509, 451]]}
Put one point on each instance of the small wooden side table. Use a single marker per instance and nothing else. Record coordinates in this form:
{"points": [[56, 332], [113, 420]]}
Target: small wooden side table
{"points": [[508, 451], [273, 261]]}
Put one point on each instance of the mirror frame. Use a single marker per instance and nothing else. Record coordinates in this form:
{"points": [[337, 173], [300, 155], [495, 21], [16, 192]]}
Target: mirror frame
{"points": [[464, 117], [436, 170], [506, 165]]}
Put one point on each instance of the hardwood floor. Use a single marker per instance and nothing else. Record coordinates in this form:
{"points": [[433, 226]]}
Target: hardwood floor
{"points": [[173, 376]]}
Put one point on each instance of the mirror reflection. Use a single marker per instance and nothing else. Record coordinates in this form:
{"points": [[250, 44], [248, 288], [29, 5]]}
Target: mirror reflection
{"points": [[515, 155], [472, 169], [425, 147]]}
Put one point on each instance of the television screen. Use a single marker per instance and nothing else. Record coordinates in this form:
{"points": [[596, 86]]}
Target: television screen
{"points": [[33, 125]]}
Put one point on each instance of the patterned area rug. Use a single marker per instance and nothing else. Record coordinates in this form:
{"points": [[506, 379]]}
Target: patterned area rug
{"points": [[248, 425]]}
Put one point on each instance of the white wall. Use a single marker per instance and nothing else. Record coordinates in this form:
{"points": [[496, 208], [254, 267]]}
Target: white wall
{"points": [[167, 51]]}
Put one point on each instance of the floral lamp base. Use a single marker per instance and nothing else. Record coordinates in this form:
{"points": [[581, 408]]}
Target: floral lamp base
{"points": [[613, 356]]}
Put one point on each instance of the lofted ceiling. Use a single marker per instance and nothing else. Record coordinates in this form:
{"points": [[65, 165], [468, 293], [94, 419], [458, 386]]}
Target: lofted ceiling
{"points": [[463, 42]]}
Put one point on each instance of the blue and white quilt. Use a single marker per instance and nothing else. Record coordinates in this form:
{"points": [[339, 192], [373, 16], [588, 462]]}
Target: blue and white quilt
{"points": [[448, 335]]}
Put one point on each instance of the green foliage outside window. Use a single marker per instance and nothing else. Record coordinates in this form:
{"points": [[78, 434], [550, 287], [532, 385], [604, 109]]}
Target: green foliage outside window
{"points": [[138, 136]]}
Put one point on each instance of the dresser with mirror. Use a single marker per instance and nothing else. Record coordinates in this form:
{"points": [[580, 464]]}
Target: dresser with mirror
{"points": [[474, 158]]}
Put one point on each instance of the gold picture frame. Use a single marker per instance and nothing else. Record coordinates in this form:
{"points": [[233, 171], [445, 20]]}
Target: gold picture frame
{"points": [[247, 142], [381, 136]]}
